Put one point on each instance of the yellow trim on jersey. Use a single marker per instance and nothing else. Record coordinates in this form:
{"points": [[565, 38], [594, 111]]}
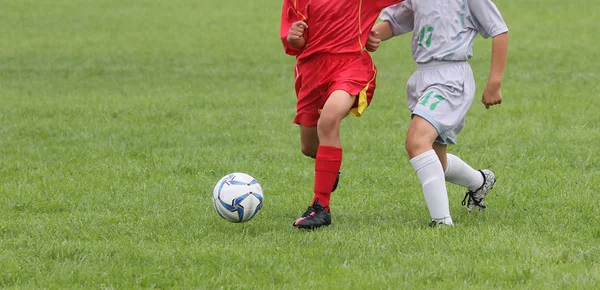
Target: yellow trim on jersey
{"points": [[296, 8], [359, 26]]}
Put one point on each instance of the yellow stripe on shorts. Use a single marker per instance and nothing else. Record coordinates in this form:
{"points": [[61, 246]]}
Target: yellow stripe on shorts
{"points": [[362, 99]]}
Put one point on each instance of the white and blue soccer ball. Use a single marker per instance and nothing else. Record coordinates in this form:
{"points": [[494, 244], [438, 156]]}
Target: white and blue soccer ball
{"points": [[237, 197]]}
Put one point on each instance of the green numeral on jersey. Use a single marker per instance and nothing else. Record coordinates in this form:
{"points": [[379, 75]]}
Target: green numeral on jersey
{"points": [[423, 100], [425, 34]]}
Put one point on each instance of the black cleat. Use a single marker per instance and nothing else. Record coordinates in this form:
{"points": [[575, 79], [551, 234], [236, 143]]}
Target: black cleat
{"points": [[315, 216], [308, 211]]}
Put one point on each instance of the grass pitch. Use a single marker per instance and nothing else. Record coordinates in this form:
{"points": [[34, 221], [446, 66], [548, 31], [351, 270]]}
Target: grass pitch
{"points": [[118, 117]]}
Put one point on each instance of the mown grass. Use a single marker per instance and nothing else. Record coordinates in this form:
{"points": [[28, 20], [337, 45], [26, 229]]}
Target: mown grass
{"points": [[117, 118]]}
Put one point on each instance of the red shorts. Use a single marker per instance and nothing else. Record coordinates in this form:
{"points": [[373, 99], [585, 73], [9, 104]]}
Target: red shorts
{"points": [[320, 75]]}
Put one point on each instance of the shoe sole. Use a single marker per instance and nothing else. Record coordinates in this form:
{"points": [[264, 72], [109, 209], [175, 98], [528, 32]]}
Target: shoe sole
{"points": [[310, 228]]}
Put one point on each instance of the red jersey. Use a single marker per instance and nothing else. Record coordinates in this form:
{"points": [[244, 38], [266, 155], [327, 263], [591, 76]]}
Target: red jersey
{"points": [[334, 26]]}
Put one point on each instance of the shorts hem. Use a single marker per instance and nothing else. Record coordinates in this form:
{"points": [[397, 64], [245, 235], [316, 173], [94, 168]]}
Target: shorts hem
{"points": [[306, 119], [443, 138]]}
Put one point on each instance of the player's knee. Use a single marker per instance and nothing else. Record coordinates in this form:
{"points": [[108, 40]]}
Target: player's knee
{"points": [[309, 150], [415, 146], [328, 125]]}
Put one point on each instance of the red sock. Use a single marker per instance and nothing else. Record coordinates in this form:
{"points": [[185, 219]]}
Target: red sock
{"points": [[327, 167]]}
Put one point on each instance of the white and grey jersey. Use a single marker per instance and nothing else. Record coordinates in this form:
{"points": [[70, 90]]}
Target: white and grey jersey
{"points": [[444, 30]]}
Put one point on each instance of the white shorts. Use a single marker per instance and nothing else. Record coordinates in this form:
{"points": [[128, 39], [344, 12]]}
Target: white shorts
{"points": [[442, 93]]}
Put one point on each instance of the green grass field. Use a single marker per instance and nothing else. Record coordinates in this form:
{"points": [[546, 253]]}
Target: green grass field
{"points": [[118, 117]]}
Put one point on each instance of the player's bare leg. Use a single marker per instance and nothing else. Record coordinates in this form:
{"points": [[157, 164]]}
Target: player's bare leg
{"points": [[441, 152], [424, 160], [334, 111], [309, 141], [328, 159]]}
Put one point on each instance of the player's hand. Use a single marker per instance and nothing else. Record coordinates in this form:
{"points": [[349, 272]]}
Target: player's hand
{"points": [[373, 42], [492, 95], [296, 31]]}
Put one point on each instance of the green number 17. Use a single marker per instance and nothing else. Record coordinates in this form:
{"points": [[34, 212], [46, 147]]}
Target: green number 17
{"points": [[424, 100], [425, 36]]}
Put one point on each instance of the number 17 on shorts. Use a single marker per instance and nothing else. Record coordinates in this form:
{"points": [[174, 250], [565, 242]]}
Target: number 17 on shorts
{"points": [[430, 100]]}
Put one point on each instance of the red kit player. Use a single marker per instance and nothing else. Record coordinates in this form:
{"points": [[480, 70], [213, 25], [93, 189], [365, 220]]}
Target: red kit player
{"points": [[334, 75]]}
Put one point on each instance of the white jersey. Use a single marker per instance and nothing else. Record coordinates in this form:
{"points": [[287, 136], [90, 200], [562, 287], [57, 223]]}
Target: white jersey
{"points": [[444, 30]]}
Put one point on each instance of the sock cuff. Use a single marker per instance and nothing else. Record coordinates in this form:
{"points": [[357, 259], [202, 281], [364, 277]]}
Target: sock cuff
{"points": [[329, 153], [329, 159], [424, 159]]}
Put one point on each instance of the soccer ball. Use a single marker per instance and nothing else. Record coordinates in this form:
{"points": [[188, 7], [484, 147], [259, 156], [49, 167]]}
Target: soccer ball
{"points": [[237, 197]]}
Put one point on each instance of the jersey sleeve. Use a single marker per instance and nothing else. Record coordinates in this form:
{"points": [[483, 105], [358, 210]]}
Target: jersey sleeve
{"points": [[400, 17], [487, 18], [289, 15]]}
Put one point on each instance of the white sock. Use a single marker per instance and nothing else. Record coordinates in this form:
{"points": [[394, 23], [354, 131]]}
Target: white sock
{"points": [[431, 174], [460, 173]]}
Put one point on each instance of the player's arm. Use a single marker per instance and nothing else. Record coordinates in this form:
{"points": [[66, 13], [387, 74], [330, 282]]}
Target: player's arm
{"points": [[295, 35], [492, 93], [382, 31], [291, 31], [489, 23], [397, 19]]}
